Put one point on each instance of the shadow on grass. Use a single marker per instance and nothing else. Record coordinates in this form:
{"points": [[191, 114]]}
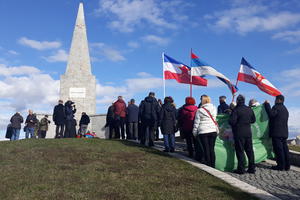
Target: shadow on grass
{"points": [[236, 194]]}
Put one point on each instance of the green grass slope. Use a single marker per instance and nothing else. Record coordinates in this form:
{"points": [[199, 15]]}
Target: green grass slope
{"points": [[101, 169]]}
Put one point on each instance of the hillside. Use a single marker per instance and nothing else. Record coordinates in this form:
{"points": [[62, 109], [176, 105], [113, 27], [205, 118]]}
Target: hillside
{"points": [[101, 169]]}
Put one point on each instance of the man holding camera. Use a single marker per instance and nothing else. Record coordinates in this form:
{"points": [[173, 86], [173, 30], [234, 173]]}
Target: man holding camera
{"points": [[70, 110]]}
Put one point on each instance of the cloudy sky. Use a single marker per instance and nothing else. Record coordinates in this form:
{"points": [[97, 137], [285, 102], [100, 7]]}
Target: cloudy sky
{"points": [[127, 38]]}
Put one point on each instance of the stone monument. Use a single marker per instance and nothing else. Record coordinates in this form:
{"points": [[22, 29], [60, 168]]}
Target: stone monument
{"points": [[78, 84]]}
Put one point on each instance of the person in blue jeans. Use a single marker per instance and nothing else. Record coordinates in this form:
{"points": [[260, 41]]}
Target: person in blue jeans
{"points": [[16, 121], [30, 122], [168, 124]]}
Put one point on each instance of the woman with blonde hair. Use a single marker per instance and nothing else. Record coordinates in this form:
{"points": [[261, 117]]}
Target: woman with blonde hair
{"points": [[205, 129]]}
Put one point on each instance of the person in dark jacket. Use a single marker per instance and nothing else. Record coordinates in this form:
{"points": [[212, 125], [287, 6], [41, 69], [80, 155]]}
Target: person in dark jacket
{"points": [[83, 123], [16, 121], [240, 120], [110, 120], [59, 118], [132, 119], [120, 117], [186, 117], [279, 132], [168, 124], [223, 107], [149, 116], [157, 125], [70, 110], [43, 127], [30, 122]]}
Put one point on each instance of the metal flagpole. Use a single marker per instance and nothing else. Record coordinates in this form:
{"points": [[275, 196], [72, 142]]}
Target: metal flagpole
{"points": [[191, 80], [164, 81]]}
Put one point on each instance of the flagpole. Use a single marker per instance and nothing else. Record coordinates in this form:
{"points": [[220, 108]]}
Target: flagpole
{"points": [[191, 85], [164, 81], [236, 83]]}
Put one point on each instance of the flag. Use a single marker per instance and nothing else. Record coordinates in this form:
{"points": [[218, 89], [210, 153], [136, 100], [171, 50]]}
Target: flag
{"points": [[180, 72], [200, 68], [249, 74]]}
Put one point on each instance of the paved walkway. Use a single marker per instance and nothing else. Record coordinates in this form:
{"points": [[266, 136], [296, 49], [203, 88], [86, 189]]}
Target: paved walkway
{"points": [[282, 184]]}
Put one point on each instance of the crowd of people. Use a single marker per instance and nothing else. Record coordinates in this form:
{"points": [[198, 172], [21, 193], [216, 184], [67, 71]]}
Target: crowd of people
{"points": [[63, 117], [199, 127]]}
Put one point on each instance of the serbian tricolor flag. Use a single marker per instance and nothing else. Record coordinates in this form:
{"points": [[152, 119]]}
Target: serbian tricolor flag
{"points": [[180, 72], [200, 68], [248, 74]]}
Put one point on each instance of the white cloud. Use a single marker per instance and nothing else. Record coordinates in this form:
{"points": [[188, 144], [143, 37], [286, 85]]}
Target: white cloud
{"points": [[39, 45], [143, 74], [156, 40], [59, 56], [294, 51], [107, 94], [133, 44], [128, 14], [294, 126], [291, 83], [289, 36], [27, 87], [19, 70], [108, 52], [249, 17], [13, 52]]}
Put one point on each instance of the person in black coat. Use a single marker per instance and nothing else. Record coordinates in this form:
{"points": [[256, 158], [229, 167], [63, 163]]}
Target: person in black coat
{"points": [[70, 110], [83, 123], [279, 132], [149, 112], [223, 107], [240, 120], [16, 121], [132, 113], [110, 116], [59, 118], [168, 124]]}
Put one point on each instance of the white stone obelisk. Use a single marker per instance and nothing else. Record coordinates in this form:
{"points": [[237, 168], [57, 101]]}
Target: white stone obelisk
{"points": [[78, 84]]}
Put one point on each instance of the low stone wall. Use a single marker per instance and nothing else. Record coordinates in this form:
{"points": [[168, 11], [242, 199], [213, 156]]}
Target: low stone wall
{"points": [[97, 125], [295, 158]]}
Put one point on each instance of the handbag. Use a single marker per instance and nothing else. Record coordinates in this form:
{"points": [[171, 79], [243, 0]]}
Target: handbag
{"points": [[216, 123]]}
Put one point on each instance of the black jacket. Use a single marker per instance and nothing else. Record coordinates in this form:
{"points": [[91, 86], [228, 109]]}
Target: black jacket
{"points": [[132, 113], [149, 110], [110, 116], [31, 121], [168, 119], [222, 108], [16, 121], [85, 120], [59, 115], [278, 120], [240, 120]]}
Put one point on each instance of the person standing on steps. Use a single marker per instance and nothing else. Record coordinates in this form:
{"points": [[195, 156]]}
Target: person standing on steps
{"points": [[205, 130], [168, 124], [279, 132], [240, 120], [149, 116]]}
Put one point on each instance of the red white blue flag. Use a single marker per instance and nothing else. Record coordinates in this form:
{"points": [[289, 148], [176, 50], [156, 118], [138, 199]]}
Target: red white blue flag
{"points": [[200, 68], [180, 72], [249, 74]]}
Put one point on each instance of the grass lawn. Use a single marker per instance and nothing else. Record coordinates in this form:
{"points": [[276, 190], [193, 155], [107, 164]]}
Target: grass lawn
{"points": [[101, 169], [294, 148]]}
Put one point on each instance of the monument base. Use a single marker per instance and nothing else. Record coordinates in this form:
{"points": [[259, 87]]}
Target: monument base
{"points": [[96, 125]]}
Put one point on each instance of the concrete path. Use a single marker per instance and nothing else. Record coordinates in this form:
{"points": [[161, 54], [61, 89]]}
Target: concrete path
{"points": [[282, 184]]}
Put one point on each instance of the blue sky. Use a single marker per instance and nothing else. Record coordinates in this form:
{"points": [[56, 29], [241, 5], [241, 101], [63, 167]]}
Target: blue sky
{"points": [[127, 38]]}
